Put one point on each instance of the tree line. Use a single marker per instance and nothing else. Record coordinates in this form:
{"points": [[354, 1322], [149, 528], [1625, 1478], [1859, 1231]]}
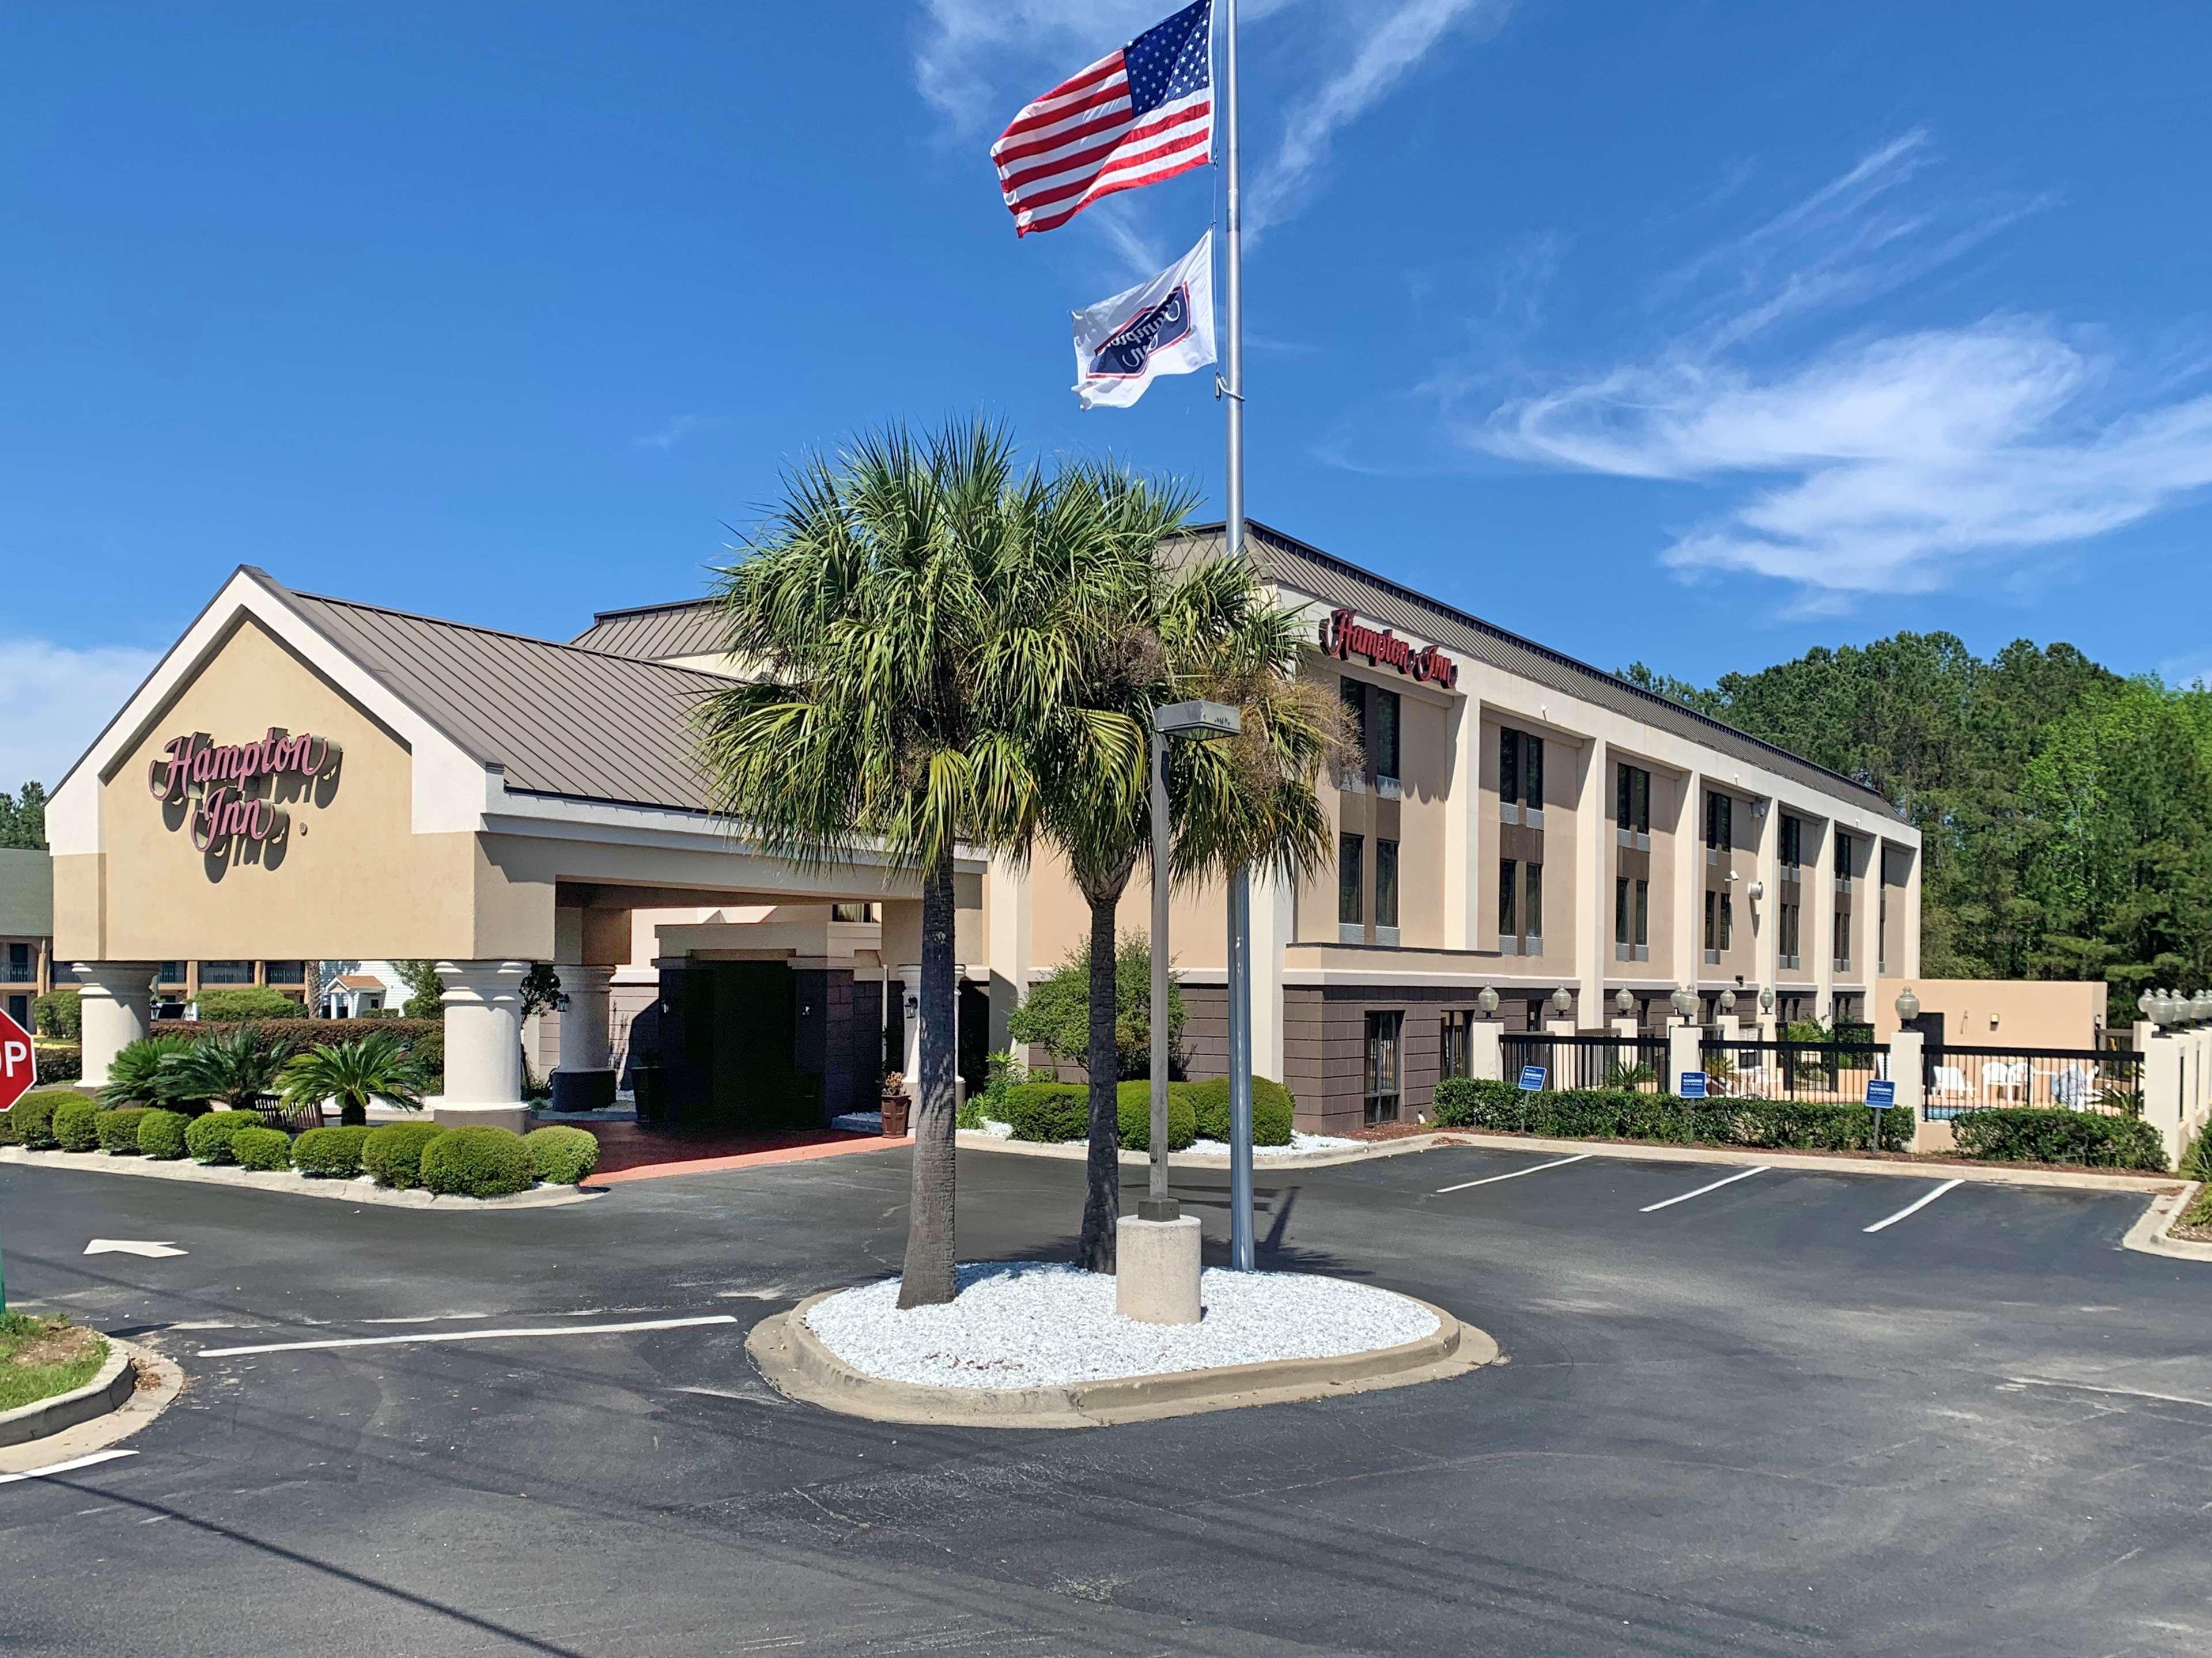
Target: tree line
{"points": [[2063, 807]]}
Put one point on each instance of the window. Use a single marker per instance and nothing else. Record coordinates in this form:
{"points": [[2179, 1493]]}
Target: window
{"points": [[1351, 879], [852, 912], [1712, 913], [1532, 907], [287, 973], [1643, 921], [18, 964], [226, 973], [1842, 940], [65, 973], [1728, 922], [1383, 1095], [1789, 935], [1793, 840], [1842, 862], [1454, 1057], [1881, 933], [1509, 906], [1620, 913], [1632, 799], [1720, 814], [1386, 883], [1386, 734], [1355, 706], [172, 973], [1520, 770]]}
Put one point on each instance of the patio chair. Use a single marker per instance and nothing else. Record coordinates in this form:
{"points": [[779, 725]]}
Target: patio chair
{"points": [[1950, 1085], [2008, 1078], [2074, 1088]]}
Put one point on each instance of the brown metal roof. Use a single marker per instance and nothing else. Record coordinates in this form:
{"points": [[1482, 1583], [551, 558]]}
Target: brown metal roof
{"points": [[1292, 564], [562, 720], [657, 632]]}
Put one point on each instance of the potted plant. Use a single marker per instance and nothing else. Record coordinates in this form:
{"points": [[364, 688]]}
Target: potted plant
{"points": [[895, 1105]]}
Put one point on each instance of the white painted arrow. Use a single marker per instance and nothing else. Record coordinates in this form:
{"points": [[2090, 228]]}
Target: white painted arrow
{"points": [[132, 1246]]}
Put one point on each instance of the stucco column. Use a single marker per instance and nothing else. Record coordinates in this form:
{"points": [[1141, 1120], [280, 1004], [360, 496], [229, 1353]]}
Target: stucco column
{"points": [[1272, 917], [1463, 831], [117, 998], [1685, 1051], [1006, 918], [909, 989], [1689, 883], [1593, 933], [1822, 905], [1766, 918], [484, 1044], [585, 1078]]}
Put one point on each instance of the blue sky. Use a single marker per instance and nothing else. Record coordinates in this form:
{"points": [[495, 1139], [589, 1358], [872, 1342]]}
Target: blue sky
{"points": [[1695, 333]]}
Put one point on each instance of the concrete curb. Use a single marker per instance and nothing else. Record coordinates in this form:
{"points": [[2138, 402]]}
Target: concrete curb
{"points": [[294, 1184], [2148, 1234], [976, 1139], [115, 1381], [155, 1383], [793, 1360]]}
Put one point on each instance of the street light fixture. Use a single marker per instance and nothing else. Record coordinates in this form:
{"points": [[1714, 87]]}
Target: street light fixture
{"points": [[1684, 1002], [1728, 1001], [1561, 1001], [1766, 999], [1488, 999], [1908, 1005], [1201, 719], [1624, 1002]]}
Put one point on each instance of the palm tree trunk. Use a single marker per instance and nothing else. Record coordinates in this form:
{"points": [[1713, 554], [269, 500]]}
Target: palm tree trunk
{"points": [[1101, 1185], [928, 1278]]}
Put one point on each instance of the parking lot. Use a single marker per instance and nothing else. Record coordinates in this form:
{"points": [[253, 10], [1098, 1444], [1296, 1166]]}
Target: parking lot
{"points": [[1732, 1419]]}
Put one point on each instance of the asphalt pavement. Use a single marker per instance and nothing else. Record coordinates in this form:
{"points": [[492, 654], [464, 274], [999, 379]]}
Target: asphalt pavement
{"points": [[1733, 1419]]}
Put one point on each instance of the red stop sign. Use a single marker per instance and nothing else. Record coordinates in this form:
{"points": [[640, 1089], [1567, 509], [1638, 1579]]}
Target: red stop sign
{"points": [[19, 1066]]}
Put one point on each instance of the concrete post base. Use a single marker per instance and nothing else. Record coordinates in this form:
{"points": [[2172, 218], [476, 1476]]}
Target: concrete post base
{"points": [[458, 1115], [1155, 1276]]}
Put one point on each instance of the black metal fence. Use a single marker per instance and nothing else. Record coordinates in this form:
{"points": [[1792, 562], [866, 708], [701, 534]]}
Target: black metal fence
{"points": [[1591, 1060], [1820, 1073], [1957, 1080]]}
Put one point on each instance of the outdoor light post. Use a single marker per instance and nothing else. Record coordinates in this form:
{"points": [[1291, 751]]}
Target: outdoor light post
{"points": [[1202, 719]]}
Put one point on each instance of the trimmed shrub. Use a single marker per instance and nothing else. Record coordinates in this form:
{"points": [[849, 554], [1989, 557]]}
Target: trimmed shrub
{"points": [[1133, 1114], [118, 1130], [477, 1162], [2031, 1134], [33, 1116], [229, 1003], [59, 1013], [209, 1137], [330, 1153], [1049, 1113], [264, 1151], [1272, 1110], [161, 1134], [60, 1062], [562, 1156], [74, 1126], [11, 1133], [1625, 1114], [393, 1152]]}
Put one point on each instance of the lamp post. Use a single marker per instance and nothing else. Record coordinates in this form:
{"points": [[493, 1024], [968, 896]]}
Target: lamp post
{"points": [[1684, 1001], [1908, 1006], [1488, 1000], [1199, 719], [1623, 1003]]}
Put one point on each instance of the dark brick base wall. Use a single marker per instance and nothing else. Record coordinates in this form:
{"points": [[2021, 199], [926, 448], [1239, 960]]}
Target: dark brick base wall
{"points": [[1325, 1048]]}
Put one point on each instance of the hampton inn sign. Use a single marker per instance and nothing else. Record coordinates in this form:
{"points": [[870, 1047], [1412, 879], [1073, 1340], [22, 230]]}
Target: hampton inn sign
{"points": [[1344, 636], [225, 782]]}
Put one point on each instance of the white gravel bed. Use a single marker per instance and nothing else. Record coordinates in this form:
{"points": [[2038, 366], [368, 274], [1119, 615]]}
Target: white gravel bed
{"points": [[1300, 1141], [1017, 1324]]}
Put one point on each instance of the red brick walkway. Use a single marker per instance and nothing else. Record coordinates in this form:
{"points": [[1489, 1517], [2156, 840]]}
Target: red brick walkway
{"points": [[628, 1153]]}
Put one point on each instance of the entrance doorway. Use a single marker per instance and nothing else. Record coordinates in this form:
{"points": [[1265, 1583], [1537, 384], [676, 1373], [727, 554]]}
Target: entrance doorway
{"points": [[727, 1041]]}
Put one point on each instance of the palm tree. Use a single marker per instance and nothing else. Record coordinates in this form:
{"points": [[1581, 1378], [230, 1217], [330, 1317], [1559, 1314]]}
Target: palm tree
{"points": [[1207, 629], [911, 639], [137, 1075], [352, 1072], [238, 1066]]}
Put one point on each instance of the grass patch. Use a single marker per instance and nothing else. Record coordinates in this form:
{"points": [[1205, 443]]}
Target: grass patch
{"points": [[42, 1356]]}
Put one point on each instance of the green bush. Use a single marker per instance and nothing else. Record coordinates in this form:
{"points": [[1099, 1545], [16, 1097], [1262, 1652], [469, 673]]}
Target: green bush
{"points": [[562, 1156], [118, 1130], [264, 1151], [1133, 1112], [1624, 1114], [970, 1115], [1055, 1015], [393, 1153], [75, 1128], [2031, 1134], [60, 1062], [59, 1013], [2199, 1212], [231, 1002], [209, 1137], [2196, 1160], [478, 1163], [11, 1132], [1272, 1110], [161, 1134], [33, 1116], [330, 1153], [1049, 1113]]}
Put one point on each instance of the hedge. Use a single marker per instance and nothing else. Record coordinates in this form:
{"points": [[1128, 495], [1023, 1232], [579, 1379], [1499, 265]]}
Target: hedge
{"points": [[59, 1062], [264, 1151], [209, 1137], [1624, 1114], [393, 1152], [478, 1163], [58, 1013], [229, 1004], [330, 1153], [161, 1134], [2031, 1134], [1049, 1113], [118, 1130], [562, 1156], [1272, 1110], [75, 1125], [425, 1039], [1133, 1110], [33, 1119]]}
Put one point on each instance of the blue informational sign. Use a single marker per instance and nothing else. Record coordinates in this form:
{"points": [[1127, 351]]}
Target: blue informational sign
{"points": [[1693, 1085], [1881, 1095], [1532, 1078]]}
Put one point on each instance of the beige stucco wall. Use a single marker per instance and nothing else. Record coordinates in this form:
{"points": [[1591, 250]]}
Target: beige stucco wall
{"points": [[2000, 1012], [350, 879]]}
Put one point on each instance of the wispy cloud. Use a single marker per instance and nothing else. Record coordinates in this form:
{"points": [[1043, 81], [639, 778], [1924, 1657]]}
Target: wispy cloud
{"points": [[59, 696], [1873, 462], [678, 427]]}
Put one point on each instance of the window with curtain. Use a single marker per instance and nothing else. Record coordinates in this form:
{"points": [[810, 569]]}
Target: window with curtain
{"points": [[1386, 883], [1351, 879], [1532, 903], [1509, 905], [1643, 918]]}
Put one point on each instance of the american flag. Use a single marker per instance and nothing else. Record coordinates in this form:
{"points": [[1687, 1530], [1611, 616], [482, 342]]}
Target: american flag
{"points": [[1134, 118]]}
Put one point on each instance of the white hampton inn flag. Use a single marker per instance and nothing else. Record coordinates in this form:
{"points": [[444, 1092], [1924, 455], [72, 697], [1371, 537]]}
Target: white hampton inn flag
{"points": [[1164, 327]]}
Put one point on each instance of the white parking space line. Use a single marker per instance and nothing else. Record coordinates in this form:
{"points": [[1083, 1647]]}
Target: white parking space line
{"points": [[64, 1467], [1916, 1205], [1669, 1203], [468, 1335], [1488, 1179]]}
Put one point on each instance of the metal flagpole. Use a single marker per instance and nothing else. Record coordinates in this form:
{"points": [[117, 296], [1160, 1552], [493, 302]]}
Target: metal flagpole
{"points": [[1240, 906]]}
